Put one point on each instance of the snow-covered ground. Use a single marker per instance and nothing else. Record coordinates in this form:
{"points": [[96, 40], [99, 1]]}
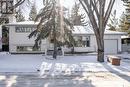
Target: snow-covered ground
{"points": [[19, 63], [71, 65], [66, 71], [66, 65]]}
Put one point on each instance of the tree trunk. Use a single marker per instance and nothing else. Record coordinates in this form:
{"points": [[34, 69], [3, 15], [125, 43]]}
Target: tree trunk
{"points": [[55, 41], [55, 45], [100, 44], [54, 37], [72, 50], [100, 55], [55, 50]]}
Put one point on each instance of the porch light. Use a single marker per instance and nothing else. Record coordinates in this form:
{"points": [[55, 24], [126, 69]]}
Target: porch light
{"points": [[6, 6]]}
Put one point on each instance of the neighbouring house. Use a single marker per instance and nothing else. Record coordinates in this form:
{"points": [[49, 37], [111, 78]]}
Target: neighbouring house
{"points": [[84, 36], [125, 43], [0, 38], [0, 43]]}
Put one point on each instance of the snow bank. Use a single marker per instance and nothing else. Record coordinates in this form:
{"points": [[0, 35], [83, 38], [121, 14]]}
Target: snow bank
{"points": [[78, 65], [69, 69], [4, 53]]}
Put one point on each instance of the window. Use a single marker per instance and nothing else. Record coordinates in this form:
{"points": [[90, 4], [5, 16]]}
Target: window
{"points": [[6, 6], [24, 29], [27, 48], [79, 42], [88, 41], [126, 41], [3, 6], [83, 41]]}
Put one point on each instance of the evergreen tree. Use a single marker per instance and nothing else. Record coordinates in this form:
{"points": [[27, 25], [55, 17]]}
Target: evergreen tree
{"points": [[76, 17], [53, 26], [33, 13], [125, 19], [19, 16], [122, 25], [113, 22]]}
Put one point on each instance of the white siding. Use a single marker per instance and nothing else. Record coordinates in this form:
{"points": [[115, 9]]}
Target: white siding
{"points": [[21, 39]]}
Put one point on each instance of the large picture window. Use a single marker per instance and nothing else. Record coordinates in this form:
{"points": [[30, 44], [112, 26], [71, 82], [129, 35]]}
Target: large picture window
{"points": [[27, 48], [83, 41], [24, 29], [6, 6]]}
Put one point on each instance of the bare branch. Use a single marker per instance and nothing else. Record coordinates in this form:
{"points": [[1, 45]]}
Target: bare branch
{"points": [[108, 12], [83, 6], [18, 3], [95, 10], [94, 4]]}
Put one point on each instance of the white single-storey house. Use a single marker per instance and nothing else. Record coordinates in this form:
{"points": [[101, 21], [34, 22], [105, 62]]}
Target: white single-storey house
{"points": [[86, 42]]}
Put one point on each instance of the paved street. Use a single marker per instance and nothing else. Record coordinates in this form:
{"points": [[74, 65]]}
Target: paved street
{"points": [[90, 79]]}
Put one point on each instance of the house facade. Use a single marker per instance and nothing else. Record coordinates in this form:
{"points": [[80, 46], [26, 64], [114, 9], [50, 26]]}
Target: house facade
{"points": [[125, 43], [18, 38], [112, 40], [84, 36]]}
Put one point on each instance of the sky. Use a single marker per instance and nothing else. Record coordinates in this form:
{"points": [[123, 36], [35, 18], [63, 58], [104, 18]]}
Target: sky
{"points": [[119, 7], [68, 3]]}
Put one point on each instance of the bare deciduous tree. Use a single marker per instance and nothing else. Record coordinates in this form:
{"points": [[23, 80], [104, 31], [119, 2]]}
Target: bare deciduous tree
{"points": [[4, 17], [98, 12]]}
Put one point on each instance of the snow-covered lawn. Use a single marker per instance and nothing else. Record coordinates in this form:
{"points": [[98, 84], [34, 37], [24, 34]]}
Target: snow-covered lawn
{"points": [[20, 63], [93, 73], [70, 65], [63, 65]]}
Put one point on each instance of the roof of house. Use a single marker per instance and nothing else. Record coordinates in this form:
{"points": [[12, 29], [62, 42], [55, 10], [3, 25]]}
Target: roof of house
{"points": [[126, 36], [77, 29], [22, 23], [89, 30]]}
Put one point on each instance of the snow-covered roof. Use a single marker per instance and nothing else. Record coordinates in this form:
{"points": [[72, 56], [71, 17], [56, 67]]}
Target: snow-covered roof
{"points": [[89, 30], [125, 37], [114, 32], [22, 23], [82, 30], [77, 29]]}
